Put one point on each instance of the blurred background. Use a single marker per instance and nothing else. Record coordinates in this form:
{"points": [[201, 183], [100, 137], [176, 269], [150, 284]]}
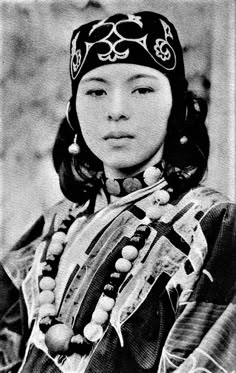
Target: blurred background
{"points": [[35, 88]]}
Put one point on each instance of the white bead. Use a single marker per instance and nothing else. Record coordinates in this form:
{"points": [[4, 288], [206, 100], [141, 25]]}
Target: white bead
{"points": [[129, 252], [46, 296], [47, 309], [74, 149], [99, 316], [47, 283], [55, 248], [93, 332], [154, 212], [106, 303], [151, 175], [123, 265], [57, 338], [161, 196], [59, 237]]}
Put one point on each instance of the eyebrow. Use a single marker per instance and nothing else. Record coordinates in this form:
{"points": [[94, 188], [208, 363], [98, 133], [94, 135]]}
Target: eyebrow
{"points": [[130, 79]]}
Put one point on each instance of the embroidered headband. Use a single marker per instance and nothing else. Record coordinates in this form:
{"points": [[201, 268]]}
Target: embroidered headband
{"points": [[144, 38]]}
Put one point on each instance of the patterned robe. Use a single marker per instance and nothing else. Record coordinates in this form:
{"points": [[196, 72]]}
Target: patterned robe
{"points": [[175, 311]]}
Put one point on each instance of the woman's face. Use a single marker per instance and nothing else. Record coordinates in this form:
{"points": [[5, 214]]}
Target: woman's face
{"points": [[123, 110]]}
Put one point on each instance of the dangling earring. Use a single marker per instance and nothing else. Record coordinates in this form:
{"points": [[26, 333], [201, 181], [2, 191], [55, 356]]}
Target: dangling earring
{"points": [[183, 140], [74, 148]]}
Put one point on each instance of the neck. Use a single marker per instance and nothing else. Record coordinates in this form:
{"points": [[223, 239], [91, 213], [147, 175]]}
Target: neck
{"points": [[120, 173]]}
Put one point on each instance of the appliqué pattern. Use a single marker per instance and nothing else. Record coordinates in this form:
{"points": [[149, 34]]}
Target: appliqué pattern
{"points": [[108, 37], [162, 47]]}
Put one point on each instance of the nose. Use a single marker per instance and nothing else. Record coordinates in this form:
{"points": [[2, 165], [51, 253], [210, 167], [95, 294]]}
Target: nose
{"points": [[118, 107]]}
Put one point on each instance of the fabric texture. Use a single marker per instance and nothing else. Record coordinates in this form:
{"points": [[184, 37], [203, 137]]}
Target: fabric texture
{"points": [[175, 310]]}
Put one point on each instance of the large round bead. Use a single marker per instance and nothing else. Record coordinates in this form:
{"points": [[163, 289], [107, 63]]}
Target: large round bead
{"points": [[47, 283], [106, 303], [46, 296], [129, 252], [59, 237], [161, 196], [93, 332], [47, 309], [151, 175], [131, 184], [57, 338], [99, 316], [55, 248], [113, 187], [123, 265]]}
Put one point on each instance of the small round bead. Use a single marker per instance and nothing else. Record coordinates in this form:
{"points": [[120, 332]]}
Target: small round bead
{"points": [[59, 237], [47, 283], [151, 175], [99, 316], [183, 140], [144, 230], [47, 309], [162, 197], [46, 296], [129, 252], [106, 303], [55, 248], [154, 212], [93, 332], [123, 265], [57, 338], [137, 241]]}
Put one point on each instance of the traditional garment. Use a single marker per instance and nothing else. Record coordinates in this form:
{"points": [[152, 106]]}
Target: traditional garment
{"points": [[175, 311]]}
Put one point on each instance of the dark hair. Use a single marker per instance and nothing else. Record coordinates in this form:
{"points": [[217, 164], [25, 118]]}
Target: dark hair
{"points": [[186, 162]]}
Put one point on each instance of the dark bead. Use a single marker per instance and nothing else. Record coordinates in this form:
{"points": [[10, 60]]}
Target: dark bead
{"points": [[47, 270], [143, 230], [45, 324], [137, 241], [109, 290], [115, 278]]}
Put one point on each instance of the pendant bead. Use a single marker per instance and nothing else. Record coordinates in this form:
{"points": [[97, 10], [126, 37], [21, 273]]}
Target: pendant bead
{"points": [[74, 149], [106, 303], [151, 175], [129, 252], [161, 196], [99, 316], [154, 212], [47, 283], [57, 338], [93, 332], [123, 265], [46, 296]]}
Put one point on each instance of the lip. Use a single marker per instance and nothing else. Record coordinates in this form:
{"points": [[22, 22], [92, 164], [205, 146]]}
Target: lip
{"points": [[118, 135]]}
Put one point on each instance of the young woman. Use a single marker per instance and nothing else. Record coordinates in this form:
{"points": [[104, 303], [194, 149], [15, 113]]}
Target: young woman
{"points": [[135, 270]]}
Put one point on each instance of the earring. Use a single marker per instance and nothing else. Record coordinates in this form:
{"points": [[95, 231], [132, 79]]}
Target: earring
{"points": [[183, 140], [74, 148]]}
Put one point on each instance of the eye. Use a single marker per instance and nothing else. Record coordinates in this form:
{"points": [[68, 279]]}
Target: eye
{"points": [[96, 92], [143, 90]]}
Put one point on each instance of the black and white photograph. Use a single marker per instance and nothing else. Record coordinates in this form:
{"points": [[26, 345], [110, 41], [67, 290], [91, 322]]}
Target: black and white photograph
{"points": [[117, 186]]}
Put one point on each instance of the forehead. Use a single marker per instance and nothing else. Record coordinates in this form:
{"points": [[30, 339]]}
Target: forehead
{"points": [[123, 71]]}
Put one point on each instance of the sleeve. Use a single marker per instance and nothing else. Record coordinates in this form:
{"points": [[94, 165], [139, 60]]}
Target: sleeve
{"points": [[13, 318], [203, 336]]}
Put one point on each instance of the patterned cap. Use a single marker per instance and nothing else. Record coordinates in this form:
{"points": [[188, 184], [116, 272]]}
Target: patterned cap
{"points": [[144, 38]]}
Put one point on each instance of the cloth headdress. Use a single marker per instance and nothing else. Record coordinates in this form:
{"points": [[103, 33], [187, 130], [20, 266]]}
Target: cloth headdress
{"points": [[145, 38]]}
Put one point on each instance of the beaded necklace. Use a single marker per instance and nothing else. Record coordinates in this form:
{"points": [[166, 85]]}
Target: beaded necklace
{"points": [[59, 337]]}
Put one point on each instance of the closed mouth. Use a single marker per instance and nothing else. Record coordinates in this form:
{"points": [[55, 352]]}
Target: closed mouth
{"points": [[117, 135]]}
